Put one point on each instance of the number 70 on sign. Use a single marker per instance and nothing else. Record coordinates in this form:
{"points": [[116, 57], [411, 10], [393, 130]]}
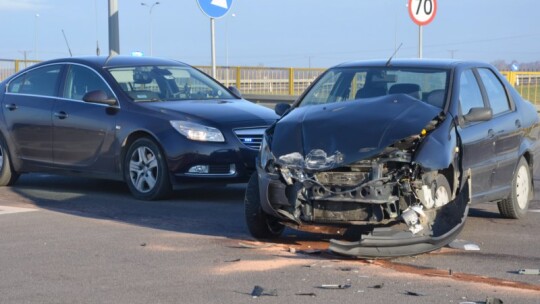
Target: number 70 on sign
{"points": [[422, 12]]}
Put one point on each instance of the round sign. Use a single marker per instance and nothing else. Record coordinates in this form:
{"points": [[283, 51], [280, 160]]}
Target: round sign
{"points": [[422, 12], [215, 8]]}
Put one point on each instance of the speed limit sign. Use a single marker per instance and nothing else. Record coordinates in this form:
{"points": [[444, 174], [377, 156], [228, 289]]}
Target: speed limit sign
{"points": [[422, 12]]}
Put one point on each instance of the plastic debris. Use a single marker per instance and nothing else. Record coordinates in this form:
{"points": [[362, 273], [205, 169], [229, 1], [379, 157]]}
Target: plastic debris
{"points": [[378, 286], [412, 293], [490, 300], [464, 245], [529, 271], [292, 250], [334, 286], [258, 291], [309, 294]]}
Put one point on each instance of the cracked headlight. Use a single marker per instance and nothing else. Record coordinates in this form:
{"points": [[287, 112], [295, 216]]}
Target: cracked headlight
{"points": [[198, 132]]}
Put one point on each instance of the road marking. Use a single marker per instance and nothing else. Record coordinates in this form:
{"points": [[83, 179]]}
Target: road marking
{"points": [[11, 210], [534, 210]]}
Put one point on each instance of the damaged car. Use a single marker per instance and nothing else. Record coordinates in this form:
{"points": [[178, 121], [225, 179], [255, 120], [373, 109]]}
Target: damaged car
{"points": [[397, 150]]}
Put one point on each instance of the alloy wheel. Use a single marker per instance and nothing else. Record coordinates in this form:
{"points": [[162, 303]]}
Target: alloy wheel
{"points": [[143, 169]]}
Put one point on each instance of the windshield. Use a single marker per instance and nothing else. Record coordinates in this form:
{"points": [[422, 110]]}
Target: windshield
{"points": [[345, 84], [163, 83]]}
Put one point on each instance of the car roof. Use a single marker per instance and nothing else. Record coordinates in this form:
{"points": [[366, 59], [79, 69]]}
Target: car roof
{"points": [[116, 61], [417, 63]]}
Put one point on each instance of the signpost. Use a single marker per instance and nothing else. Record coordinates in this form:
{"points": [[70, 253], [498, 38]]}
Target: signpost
{"points": [[214, 9], [422, 12]]}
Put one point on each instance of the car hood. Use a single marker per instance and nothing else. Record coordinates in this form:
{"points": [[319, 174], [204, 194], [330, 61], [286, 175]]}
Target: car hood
{"points": [[356, 129], [216, 111]]}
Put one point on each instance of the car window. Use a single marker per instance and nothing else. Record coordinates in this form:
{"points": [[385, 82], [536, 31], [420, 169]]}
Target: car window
{"points": [[163, 83], [358, 83], [470, 95], [495, 91], [41, 81], [81, 80]]}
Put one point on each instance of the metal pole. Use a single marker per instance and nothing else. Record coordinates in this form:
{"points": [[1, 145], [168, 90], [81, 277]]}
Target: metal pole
{"points": [[420, 41], [35, 36], [151, 33], [114, 28], [213, 37]]}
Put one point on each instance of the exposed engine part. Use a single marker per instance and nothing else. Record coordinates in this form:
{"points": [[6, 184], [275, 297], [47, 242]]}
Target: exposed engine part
{"points": [[411, 216]]}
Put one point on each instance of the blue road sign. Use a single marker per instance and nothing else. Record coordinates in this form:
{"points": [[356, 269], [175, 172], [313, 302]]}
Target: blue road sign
{"points": [[215, 8]]}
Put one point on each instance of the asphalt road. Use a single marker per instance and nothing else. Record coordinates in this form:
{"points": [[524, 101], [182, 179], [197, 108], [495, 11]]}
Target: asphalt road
{"points": [[88, 241]]}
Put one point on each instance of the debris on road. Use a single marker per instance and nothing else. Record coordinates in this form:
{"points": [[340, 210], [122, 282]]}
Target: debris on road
{"points": [[415, 294], [464, 245], [143, 245], [529, 271], [233, 261], [309, 294], [378, 286], [253, 246], [489, 300], [334, 286], [258, 291]]}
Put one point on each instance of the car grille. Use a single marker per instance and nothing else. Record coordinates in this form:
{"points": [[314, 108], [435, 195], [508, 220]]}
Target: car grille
{"points": [[251, 138]]}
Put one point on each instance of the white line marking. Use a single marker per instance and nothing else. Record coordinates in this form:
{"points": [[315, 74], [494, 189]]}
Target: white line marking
{"points": [[11, 210]]}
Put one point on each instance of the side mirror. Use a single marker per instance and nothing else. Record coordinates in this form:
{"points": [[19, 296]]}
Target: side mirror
{"points": [[235, 91], [478, 114], [282, 108], [100, 97]]}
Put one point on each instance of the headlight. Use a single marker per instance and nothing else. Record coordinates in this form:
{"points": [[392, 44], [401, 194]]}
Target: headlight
{"points": [[265, 155], [195, 131]]}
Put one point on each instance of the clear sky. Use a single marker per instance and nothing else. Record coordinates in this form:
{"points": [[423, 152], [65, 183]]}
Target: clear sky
{"points": [[280, 33]]}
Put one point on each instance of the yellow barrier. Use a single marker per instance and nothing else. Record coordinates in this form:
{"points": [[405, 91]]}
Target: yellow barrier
{"points": [[292, 81]]}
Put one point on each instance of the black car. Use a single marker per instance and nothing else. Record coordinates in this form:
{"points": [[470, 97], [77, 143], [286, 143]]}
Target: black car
{"points": [[155, 124], [398, 150]]}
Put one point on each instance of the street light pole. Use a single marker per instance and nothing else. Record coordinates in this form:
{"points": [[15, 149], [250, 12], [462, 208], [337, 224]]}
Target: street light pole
{"points": [[150, 17]]}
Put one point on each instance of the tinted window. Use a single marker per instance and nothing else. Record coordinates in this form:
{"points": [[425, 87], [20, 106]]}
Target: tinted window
{"points": [[495, 91], [81, 80], [470, 95], [40, 81]]}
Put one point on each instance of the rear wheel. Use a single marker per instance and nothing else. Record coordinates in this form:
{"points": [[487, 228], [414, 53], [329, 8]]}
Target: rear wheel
{"points": [[145, 171], [260, 224], [8, 176], [517, 204]]}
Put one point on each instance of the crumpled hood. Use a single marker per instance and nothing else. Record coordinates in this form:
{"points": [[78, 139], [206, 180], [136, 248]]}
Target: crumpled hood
{"points": [[357, 129], [218, 111]]}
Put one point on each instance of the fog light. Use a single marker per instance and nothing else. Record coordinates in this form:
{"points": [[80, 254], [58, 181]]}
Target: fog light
{"points": [[199, 169], [232, 169]]}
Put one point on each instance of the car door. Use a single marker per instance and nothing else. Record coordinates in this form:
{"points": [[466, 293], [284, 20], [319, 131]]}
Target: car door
{"points": [[478, 138], [27, 107], [83, 132], [507, 128]]}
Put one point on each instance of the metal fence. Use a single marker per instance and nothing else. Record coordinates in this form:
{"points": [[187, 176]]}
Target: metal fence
{"points": [[291, 81]]}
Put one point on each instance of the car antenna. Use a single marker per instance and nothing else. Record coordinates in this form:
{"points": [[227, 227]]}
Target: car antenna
{"points": [[67, 44], [392, 57]]}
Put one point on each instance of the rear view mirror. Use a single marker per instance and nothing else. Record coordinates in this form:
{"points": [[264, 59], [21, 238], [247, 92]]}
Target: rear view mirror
{"points": [[235, 91], [478, 114], [100, 97], [282, 108]]}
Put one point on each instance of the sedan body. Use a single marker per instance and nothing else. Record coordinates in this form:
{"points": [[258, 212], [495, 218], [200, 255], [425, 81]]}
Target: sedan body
{"points": [[156, 124], [398, 150]]}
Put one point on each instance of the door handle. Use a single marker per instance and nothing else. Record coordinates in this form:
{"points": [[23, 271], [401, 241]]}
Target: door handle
{"points": [[61, 115], [11, 107], [518, 123], [491, 133]]}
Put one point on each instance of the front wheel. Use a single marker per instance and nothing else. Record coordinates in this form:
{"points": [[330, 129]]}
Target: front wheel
{"points": [[260, 224], [145, 171], [517, 204], [8, 176]]}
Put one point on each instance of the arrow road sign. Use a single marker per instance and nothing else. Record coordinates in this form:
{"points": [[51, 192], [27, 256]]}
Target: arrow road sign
{"points": [[215, 8]]}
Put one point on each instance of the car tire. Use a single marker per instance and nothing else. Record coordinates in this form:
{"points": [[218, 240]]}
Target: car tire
{"points": [[260, 224], [517, 203], [8, 176], [145, 171]]}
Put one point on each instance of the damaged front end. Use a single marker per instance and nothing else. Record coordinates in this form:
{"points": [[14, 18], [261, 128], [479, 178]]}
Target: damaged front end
{"points": [[407, 197]]}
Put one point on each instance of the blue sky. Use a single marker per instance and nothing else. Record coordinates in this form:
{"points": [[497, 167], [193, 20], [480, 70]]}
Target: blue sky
{"points": [[278, 33]]}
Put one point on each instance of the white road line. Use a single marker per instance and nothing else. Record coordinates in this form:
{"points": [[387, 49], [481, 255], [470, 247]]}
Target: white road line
{"points": [[11, 210], [534, 210]]}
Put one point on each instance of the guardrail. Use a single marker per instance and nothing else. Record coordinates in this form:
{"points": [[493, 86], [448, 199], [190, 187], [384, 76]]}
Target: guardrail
{"points": [[288, 83]]}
